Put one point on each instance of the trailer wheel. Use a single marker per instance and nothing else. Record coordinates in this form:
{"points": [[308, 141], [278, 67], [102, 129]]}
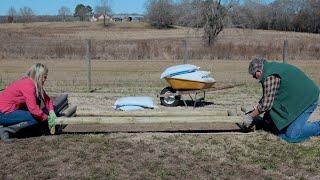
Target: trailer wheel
{"points": [[170, 100]]}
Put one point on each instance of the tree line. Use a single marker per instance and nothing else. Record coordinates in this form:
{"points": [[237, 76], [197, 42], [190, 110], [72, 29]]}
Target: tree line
{"points": [[81, 12], [214, 15], [285, 15], [210, 15]]}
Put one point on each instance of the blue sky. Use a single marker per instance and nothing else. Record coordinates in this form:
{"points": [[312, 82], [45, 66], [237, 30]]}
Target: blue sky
{"points": [[51, 7]]}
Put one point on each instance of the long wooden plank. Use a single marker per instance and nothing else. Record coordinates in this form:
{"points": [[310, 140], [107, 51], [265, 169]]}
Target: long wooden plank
{"points": [[142, 120], [153, 113], [154, 127]]}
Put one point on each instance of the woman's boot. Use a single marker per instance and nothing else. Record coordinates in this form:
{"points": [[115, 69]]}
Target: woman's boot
{"points": [[4, 134], [4, 131], [17, 127]]}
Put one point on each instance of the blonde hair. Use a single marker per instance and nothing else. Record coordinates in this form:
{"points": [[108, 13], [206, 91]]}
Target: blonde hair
{"points": [[36, 72]]}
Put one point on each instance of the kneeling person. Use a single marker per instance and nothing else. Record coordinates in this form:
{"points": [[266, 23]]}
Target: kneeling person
{"points": [[289, 98], [18, 103]]}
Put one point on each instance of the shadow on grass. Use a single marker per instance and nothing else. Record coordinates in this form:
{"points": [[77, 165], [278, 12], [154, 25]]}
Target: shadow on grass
{"points": [[35, 131], [166, 131], [24, 134]]}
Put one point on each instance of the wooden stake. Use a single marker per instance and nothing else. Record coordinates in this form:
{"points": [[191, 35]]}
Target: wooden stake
{"points": [[88, 59], [185, 54], [285, 51]]}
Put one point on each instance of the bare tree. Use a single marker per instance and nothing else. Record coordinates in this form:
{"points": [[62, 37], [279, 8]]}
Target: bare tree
{"points": [[251, 14], [311, 11], [26, 13], [64, 12], [213, 14], [282, 13], [285, 15], [103, 9], [187, 13], [160, 13], [12, 13]]}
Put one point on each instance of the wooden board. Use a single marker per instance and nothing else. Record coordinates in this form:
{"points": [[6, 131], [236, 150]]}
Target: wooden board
{"points": [[152, 113], [147, 120], [154, 127]]}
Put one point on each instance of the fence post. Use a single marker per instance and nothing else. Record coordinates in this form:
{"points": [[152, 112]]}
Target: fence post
{"points": [[185, 55], [88, 60], [285, 51]]}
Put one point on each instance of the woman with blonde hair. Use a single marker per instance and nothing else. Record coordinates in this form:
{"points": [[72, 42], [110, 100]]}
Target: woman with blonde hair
{"points": [[19, 102]]}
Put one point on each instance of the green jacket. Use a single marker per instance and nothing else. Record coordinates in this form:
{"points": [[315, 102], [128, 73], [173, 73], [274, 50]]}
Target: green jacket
{"points": [[295, 94]]}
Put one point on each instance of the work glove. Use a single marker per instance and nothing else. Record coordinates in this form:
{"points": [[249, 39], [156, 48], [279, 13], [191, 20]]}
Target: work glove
{"points": [[52, 121], [248, 109], [247, 123], [247, 120]]}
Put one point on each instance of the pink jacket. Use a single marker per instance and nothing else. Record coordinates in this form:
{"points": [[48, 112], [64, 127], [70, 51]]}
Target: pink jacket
{"points": [[22, 93]]}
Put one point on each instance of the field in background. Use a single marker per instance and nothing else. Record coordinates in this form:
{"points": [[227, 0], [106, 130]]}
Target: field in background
{"points": [[127, 41], [151, 155]]}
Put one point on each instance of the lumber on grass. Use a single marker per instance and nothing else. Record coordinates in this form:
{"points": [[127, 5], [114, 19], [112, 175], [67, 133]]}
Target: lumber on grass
{"points": [[172, 129], [142, 120], [153, 127], [152, 113]]}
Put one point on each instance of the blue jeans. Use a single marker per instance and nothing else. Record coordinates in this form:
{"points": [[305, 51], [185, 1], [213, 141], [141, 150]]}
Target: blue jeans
{"points": [[16, 117], [300, 130]]}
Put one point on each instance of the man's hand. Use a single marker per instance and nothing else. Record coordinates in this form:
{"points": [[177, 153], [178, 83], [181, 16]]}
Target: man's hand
{"points": [[247, 123], [52, 122], [247, 120], [248, 109]]}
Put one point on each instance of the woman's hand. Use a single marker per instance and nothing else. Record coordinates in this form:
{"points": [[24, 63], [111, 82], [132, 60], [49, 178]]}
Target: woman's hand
{"points": [[52, 122]]}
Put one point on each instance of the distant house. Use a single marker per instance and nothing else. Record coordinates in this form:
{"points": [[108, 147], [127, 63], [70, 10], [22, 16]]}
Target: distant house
{"points": [[96, 18], [100, 18], [127, 17], [137, 18], [108, 18], [93, 19], [117, 19]]}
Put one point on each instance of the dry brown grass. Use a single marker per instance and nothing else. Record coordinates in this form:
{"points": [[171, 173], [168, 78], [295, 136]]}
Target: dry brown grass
{"points": [[114, 79], [126, 41], [134, 73]]}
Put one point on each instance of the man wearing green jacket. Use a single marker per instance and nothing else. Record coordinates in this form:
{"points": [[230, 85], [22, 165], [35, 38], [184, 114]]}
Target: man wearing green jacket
{"points": [[289, 98]]}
